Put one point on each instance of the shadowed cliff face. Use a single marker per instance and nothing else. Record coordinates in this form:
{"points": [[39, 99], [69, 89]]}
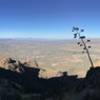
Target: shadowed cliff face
{"points": [[25, 75], [23, 80], [19, 81]]}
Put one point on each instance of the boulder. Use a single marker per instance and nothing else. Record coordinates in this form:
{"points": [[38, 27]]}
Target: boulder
{"points": [[12, 64]]}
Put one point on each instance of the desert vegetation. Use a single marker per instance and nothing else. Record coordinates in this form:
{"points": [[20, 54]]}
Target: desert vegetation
{"points": [[83, 43]]}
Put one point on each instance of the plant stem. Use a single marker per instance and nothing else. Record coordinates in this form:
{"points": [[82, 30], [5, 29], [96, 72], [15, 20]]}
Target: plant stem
{"points": [[87, 51]]}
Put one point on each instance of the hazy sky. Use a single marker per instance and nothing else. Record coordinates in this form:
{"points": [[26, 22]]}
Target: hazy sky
{"points": [[48, 18]]}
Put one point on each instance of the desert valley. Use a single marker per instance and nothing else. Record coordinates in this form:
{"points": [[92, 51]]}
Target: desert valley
{"points": [[55, 56]]}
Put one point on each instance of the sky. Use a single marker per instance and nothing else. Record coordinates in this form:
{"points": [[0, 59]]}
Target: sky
{"points": [[51, 19]]}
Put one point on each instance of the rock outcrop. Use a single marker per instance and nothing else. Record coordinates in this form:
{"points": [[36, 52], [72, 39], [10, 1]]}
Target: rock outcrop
{"points": [[21, 80], [11, 64]]}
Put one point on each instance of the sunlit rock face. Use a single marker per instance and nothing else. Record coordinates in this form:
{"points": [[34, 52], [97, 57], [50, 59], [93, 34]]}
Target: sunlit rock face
{"points": [[11, 64]]}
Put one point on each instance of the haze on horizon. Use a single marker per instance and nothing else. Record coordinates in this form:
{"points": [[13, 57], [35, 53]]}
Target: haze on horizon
{"points": [[51, 19]]}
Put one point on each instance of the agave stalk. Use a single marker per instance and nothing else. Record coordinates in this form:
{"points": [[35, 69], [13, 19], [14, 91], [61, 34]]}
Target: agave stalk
{"points": [[83, 43]]}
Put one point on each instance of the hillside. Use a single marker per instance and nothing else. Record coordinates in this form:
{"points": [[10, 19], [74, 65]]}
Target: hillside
{"points": [[21, 82]]}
